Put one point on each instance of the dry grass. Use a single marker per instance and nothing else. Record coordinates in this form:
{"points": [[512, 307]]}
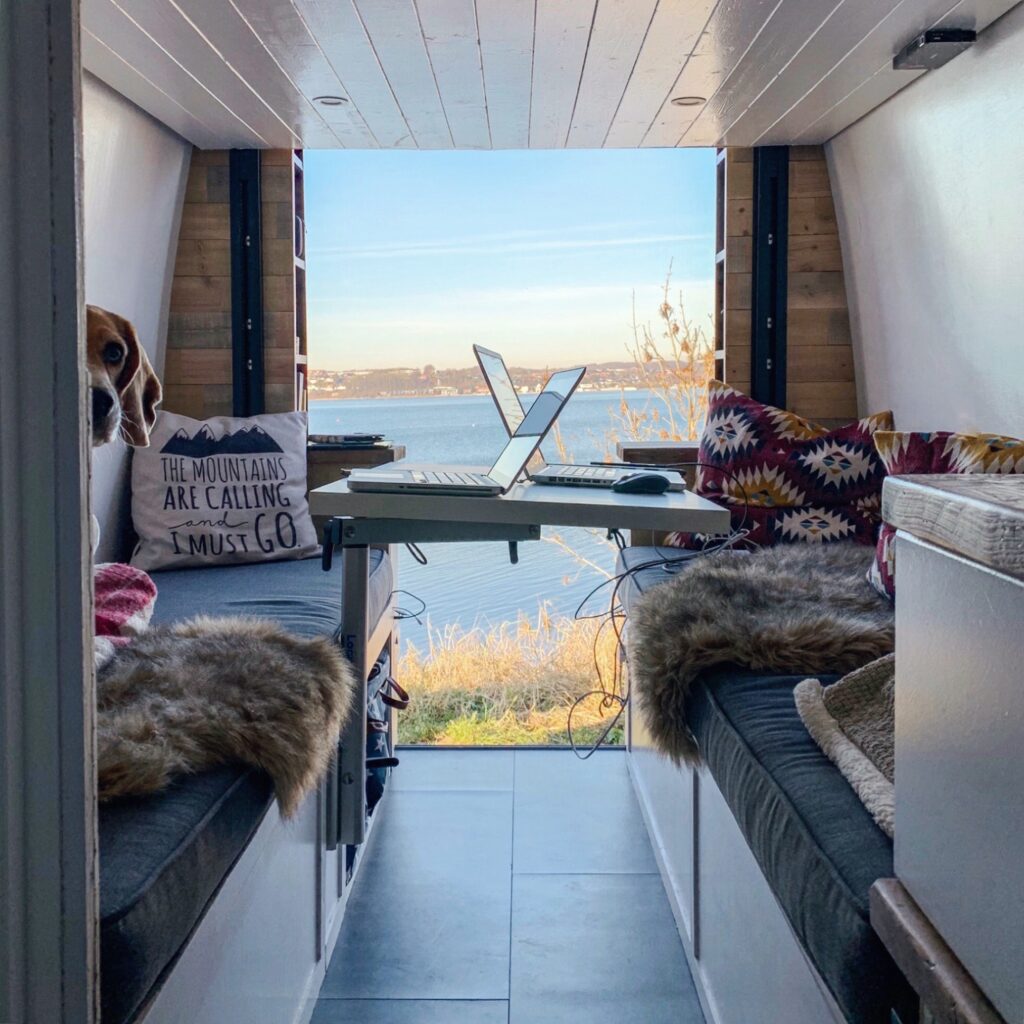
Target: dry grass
{"points": [[675, 361], [509, 684]]}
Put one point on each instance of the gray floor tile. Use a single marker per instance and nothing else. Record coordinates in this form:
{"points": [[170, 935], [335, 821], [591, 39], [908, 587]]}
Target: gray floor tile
{"points": [[577, 816], [597, 949], [409, 1011], [454, 769], [429, 915]]}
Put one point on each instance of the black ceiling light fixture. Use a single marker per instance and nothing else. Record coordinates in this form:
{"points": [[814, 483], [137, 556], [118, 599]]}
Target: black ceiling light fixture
{"points": [[933, 48], [688, 101], [330, 101]]}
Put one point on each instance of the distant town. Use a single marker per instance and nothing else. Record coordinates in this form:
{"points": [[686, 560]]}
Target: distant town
{"points": [[414, 382]]}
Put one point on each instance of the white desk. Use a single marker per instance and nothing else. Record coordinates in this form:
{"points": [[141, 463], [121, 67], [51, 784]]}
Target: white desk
{"points": [[532, 504], [361, 520]]}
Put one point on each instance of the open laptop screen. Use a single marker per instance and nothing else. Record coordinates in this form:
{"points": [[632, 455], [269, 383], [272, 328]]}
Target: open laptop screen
{"points": [[510, 462], [547, 404], [546, 407], [502, 389]]}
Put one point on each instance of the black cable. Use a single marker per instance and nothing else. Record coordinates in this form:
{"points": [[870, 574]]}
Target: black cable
{"points": [[713, 544], [405, 613], [416, 552], [615, 534]]}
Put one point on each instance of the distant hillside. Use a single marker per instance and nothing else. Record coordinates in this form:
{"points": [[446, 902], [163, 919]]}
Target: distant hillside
{"points": [[412, 381]]}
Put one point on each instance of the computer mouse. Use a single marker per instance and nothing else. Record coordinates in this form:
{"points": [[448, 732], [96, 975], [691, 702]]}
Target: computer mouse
{"points": [[642, 483]]}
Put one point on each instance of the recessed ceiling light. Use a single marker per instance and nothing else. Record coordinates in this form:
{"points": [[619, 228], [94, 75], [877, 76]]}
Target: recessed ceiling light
{"points": [[330, 101], [688, 101]]}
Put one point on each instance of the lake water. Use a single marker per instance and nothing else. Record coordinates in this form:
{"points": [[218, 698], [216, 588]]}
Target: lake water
{"points": [[474, 584]]}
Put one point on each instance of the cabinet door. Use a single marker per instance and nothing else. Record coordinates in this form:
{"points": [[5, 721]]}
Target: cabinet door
{"points": [[665, 792]]}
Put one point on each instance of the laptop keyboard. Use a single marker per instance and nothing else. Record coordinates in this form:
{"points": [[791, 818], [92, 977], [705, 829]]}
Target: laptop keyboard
{"points": [[584, 472], [449, 478]]}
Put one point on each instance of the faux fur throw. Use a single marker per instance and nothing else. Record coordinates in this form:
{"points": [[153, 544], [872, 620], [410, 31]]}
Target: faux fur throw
{"points": [[189, 697], [854, 723], [796, 608]]}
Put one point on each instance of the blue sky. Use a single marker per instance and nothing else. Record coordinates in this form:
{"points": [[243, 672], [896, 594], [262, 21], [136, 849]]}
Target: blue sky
{"points": [[414, 256]]}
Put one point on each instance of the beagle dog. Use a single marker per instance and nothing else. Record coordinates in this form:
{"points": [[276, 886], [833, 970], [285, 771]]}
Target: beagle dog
{"points": [[125, 390]]}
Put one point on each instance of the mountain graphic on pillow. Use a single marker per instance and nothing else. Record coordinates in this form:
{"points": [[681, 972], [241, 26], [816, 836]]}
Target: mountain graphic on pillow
{"points": [[202, 444]]}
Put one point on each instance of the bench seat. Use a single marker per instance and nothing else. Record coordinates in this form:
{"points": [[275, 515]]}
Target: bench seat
{"points": [[817, 846], [164, 857]]}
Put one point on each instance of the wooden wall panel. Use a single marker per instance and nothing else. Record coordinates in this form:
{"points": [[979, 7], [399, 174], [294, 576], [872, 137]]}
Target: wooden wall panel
{"points": [[819, 369], [277, 182], [819, 362], [198, 373], [738, 266]]}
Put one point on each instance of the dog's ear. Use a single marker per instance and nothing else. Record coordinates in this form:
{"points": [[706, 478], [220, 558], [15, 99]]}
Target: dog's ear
{"points": [[138, 387]]}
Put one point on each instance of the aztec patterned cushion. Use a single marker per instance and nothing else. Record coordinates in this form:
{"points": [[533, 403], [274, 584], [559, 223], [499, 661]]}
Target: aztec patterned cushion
{"points": [[937, 452], [789, 479]]}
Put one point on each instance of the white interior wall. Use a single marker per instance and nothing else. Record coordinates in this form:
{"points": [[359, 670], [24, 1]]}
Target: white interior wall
{"points": [[134, 170], [929, 193]]}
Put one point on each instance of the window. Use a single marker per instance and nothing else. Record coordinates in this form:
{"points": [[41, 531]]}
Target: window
{"points": [[553, 258]]}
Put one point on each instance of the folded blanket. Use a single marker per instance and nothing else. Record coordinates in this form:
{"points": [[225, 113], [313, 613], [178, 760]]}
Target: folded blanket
{"points": [[796, 608], [123, 600], [854, 723]]}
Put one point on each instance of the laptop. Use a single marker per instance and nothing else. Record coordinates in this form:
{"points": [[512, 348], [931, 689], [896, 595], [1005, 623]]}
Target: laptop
{"points": [[462, 480], [510, 408]]}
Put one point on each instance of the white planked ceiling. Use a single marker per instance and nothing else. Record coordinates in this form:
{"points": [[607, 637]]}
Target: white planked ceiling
{"points": [[509, 74]]}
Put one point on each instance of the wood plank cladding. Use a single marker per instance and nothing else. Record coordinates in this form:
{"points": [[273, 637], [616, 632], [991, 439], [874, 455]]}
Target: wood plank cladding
{"points": [[819, 370], [198, 371], [277, 186], [738, 265]]}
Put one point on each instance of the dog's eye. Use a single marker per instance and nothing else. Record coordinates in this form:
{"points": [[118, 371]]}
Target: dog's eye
{"points": [[113, 353]]}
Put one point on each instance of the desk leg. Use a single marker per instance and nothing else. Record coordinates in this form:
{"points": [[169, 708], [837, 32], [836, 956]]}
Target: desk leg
{"points": [[393, 647], [355, 630]]}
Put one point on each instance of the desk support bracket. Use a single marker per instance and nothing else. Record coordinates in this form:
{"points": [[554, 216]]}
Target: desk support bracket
{"points": [[355, 537], [353, 532]]}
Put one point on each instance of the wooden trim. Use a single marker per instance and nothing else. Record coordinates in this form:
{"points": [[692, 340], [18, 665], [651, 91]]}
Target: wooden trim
{"points": [[48, 862], [661, 453], [948, 993]]}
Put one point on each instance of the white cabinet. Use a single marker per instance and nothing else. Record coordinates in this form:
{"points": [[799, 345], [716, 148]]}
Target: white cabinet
{"points": [[960, 759]]}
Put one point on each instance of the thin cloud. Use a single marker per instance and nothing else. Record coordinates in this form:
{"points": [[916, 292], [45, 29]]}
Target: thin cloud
{"points": [[460, 303], [508, 235], [552, 310], [417, 249]]}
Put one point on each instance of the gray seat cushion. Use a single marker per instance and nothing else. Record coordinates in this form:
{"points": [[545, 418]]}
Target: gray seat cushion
{"points": [[162, 860], [297, 594], [164, 857], [818, 847]]}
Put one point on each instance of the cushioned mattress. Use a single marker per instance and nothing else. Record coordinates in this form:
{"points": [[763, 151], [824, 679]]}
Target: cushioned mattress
{"points": [[163, 857], [818, 847], [298, 594]]}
